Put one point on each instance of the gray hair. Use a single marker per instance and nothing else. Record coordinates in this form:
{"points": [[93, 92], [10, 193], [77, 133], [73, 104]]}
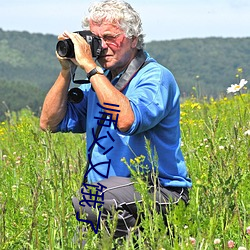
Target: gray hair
{"points": [[120, 13]]}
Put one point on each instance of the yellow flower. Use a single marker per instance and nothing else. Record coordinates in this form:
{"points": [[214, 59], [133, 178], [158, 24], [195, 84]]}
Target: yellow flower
{"points": [[132, 162], [138, 160], [195, 105], [240, 70]]}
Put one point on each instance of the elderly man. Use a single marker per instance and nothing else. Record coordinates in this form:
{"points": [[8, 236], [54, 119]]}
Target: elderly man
{"points": [[140, 98]]}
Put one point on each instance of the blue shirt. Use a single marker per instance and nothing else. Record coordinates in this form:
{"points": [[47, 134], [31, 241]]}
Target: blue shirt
{"points": [[154, 97]]}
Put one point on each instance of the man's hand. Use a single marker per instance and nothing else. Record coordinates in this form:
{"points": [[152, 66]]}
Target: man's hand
{"points": [[66, 63], [83, 54]]}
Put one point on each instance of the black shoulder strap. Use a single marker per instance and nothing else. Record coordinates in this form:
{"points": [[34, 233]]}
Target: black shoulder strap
{"points": [[136, 64]]}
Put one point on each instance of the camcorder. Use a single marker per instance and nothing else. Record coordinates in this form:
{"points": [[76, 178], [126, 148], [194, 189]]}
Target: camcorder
{"points": [[65, 48]]}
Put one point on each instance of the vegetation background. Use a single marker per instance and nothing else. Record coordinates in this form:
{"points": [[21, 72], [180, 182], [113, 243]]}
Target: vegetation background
{"points": [[40, 172], [28, 66]]}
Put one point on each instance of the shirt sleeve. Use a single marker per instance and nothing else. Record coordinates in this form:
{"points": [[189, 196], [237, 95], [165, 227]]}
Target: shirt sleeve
{"points": [[152, 98]]}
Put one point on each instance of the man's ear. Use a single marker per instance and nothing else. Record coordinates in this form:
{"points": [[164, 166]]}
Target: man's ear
{"points": [[134, 42]]}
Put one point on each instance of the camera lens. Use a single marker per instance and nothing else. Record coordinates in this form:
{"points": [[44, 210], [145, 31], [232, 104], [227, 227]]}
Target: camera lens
{"points": [[65, 48]]}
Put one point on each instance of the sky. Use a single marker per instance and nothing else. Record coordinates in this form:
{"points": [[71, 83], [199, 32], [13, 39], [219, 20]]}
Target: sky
{"points": [[162, 19]]}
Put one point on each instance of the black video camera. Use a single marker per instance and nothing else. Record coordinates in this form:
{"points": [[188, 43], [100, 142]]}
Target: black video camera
{"points": [[65, 48]]}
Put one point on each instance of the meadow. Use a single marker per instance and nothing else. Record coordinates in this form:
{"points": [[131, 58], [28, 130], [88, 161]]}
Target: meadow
{"points": [[40, 172]]}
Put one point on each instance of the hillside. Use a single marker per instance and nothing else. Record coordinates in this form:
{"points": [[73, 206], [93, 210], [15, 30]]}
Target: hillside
{"points": [[28, 66], [211, 63]]}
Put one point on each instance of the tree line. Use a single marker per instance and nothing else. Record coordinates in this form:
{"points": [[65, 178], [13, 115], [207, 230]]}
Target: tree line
{"points": [[202, 67]]}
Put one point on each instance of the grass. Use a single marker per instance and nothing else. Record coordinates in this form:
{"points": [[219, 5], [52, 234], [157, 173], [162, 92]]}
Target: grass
{"points": [[40, 172]]}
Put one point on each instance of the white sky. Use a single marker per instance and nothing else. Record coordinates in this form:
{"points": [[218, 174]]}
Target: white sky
{"points": [[162, 19]]}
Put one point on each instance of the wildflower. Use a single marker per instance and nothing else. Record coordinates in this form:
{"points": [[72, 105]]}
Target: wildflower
{"points": [[237, 87], [45, 216], [22, 210], [195, 106], [230, 244], [247, 133], [137, 159], [216, 241], [71, 167], [240, 70], [192, 240], [14, 188], [221, 147], [248, 230], [198, 182], [242, 248], [132, 162]]}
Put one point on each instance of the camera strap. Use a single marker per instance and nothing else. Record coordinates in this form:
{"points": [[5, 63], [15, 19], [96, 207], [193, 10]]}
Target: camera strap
{"points": [[126, 77], [136, 64]]}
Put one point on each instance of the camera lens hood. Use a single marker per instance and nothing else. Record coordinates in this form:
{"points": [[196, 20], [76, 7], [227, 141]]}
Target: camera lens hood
{"points": [[65, 48]]}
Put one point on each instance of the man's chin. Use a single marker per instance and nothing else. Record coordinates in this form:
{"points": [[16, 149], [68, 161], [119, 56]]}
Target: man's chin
{"points": [[105, 63]]}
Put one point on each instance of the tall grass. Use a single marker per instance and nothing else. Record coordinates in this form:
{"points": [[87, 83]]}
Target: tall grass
{"points": [[40, 172]]}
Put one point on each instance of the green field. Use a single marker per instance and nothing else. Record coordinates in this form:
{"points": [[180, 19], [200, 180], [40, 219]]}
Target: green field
{"points": [[40, 172]]}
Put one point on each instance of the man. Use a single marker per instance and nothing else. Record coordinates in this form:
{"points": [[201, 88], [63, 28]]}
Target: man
{"points": [[142, 99]]}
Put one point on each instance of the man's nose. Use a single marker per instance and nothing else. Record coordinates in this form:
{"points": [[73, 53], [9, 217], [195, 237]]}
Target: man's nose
{"points": [[104, 44]]}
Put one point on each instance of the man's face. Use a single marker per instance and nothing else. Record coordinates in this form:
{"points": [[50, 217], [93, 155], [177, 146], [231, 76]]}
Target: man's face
{"points": [[118, 50]]}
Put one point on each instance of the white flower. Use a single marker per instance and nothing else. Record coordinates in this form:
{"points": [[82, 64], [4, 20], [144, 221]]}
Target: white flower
{"points": [[246, 133], [237, 87], [242, 248], [217, 241]]}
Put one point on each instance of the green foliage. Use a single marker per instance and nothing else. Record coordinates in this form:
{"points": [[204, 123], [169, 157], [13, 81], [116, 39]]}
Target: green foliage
{"points": [[14, 95], [28, 68], [40, 172], [37, 182], [208, 62], [204, 67], [28, 58]]}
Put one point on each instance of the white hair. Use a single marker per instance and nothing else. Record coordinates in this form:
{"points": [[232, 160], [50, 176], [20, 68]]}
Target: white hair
{"points": [[120, 13]]}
